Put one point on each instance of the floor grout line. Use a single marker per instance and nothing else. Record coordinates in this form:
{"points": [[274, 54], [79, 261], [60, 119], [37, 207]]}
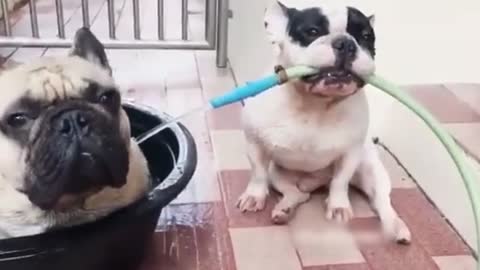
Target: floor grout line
{"points": [[377, 141]]}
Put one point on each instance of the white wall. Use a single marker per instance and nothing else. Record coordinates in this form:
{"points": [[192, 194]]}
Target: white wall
{"points": [[249, 51], [418, 41]]}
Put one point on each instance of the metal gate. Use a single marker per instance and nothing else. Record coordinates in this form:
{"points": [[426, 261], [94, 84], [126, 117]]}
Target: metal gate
{"points": [[216, 29]]}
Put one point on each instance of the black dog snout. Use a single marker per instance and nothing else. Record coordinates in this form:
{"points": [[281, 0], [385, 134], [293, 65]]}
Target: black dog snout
{"points": [[73, 122], [345, 46]]}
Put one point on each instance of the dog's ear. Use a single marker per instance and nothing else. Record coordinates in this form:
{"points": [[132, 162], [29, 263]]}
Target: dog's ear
{"points": [[276, 21], [87, 46], [371, 19]]}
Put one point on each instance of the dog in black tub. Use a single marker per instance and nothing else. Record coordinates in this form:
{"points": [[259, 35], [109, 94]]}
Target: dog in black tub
{"points": [[76, 192], [67, 153]]}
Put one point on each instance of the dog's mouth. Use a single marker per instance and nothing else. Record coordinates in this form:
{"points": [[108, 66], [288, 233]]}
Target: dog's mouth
{"points": [[333, 82], [65, 184], [332, 76], [67, 162]]}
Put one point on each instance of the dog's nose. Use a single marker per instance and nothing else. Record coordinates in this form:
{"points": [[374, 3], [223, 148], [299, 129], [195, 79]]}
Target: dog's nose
{"points": [[345, 46], [73, 122]]}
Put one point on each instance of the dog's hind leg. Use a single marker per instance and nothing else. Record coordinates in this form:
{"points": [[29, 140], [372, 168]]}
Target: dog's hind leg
{"points": [[375, 183], [284, 181], [253, 198]]}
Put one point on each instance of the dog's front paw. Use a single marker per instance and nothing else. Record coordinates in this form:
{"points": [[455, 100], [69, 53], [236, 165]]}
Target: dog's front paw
{"points": [[253, 199], [251, 203], [339, 209]]}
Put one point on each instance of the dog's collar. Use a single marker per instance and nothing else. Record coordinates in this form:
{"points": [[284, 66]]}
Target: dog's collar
{"points": [[281, 73]]}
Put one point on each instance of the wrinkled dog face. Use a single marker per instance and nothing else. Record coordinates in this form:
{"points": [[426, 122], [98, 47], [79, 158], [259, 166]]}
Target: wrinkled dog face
{"points": [[339, 40], [63, 134]]}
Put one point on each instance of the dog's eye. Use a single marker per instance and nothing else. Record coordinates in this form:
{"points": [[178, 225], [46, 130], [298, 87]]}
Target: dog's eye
{"points": [[312, 32], [17, 120], [109, 98], [367, 35], [106, 97]]}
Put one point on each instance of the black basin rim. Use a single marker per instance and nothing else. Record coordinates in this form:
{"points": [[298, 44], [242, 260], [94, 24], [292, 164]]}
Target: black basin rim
{"points": [[183, 150]]}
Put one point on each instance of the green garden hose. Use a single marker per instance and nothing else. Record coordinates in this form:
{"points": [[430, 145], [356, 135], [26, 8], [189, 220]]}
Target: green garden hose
{"points": [[453, 149]]}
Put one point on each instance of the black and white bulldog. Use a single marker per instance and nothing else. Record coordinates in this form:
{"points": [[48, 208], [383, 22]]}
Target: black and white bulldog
{"points": [[67, 156], [313, 131]]}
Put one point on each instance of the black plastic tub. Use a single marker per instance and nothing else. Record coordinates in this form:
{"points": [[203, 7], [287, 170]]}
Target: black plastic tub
{"points": [[119, 241]]}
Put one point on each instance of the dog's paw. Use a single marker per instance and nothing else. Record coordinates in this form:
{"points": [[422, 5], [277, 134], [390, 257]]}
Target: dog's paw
{"points": [[397, 231], [339, 214], [281, 215], [339, 209], [402, 233], [283, 210], [253, 199], [251, 203]]}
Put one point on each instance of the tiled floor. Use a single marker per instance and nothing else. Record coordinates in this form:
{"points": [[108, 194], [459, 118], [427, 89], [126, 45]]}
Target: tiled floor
{"points": [[202, 229], [457, 107]]}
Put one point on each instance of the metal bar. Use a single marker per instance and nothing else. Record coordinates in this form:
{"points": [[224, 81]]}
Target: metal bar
{"points": [[60, 21], [210, 21], [161, 19], [184, 19], [136, 19], [85, 13], [222, 35], [33, 18], [111, 19], [28, 42], [6, 18]]}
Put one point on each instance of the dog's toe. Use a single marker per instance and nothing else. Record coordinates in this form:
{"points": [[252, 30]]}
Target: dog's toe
{"points": [[339, 210], [403, 241], [250, 203], [253, 199], [339, 214]]}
